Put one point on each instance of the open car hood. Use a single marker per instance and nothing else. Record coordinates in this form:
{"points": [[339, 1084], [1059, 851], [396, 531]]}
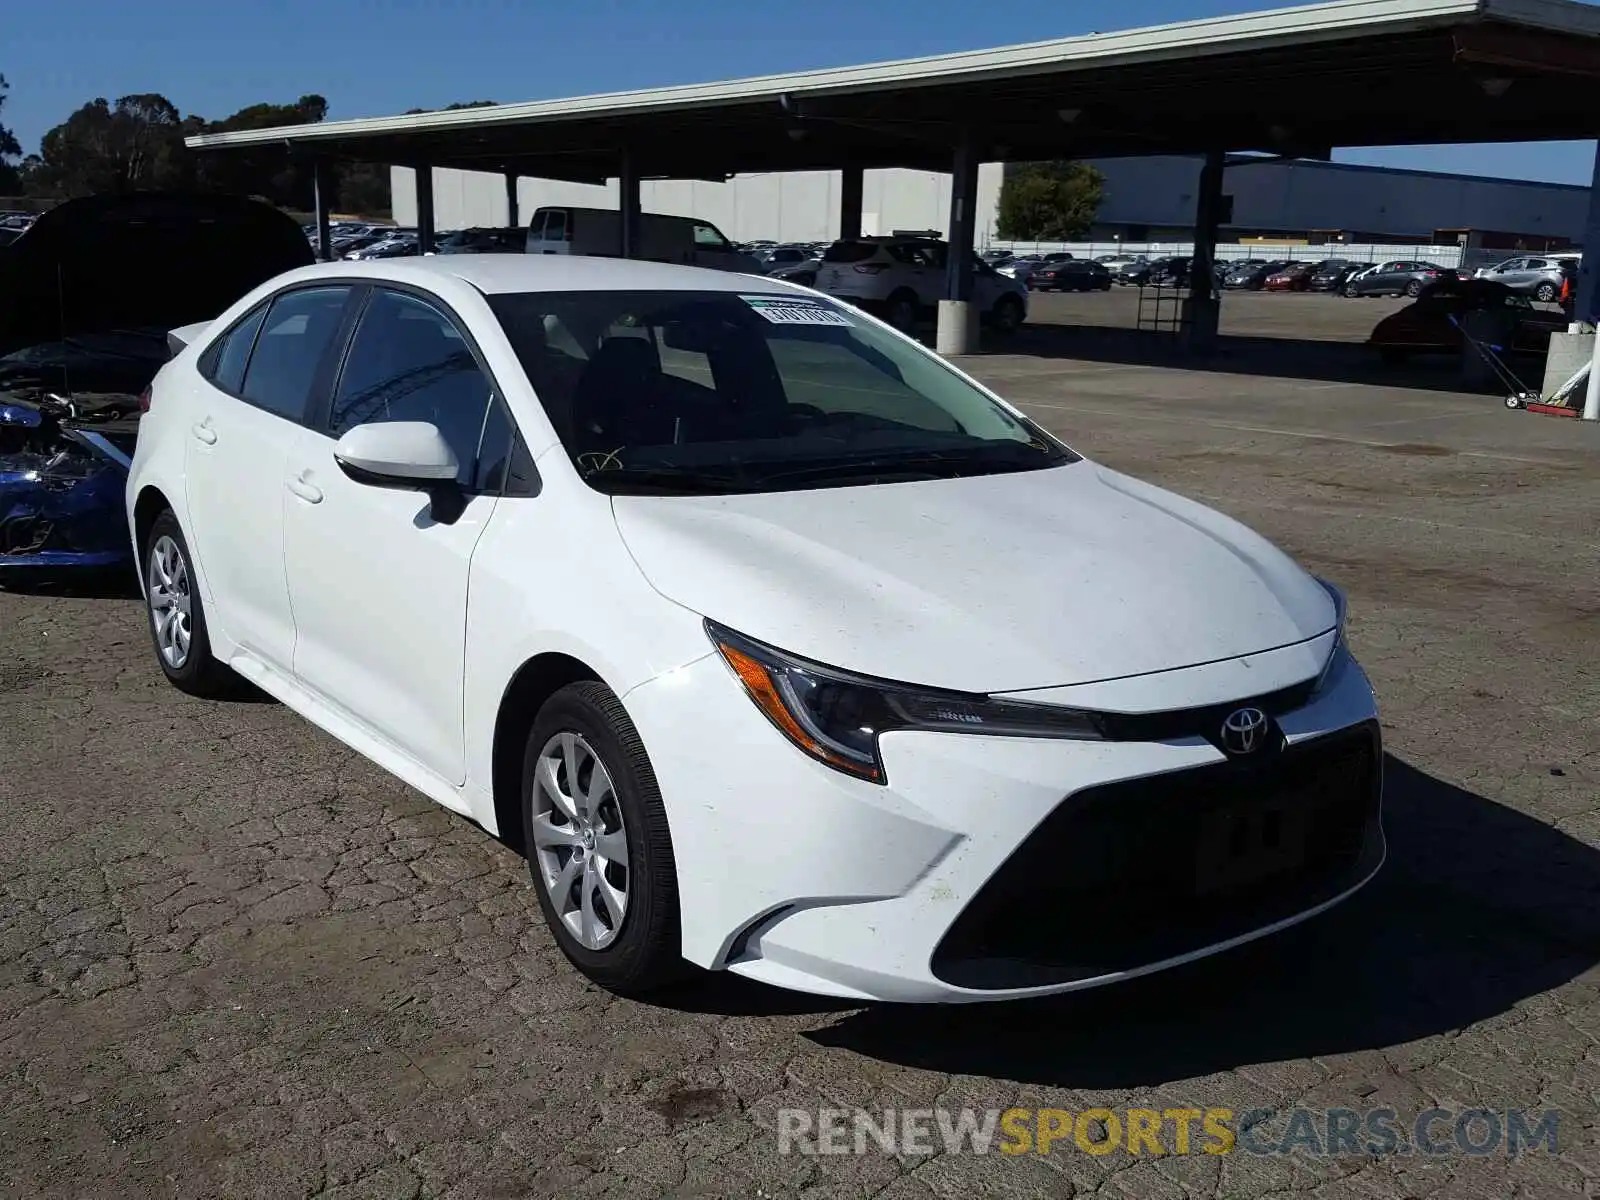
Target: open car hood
{"points": [[150, 260]]}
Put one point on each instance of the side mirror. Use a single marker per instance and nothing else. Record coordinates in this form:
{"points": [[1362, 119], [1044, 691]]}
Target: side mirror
{"points": [[410, 455]]}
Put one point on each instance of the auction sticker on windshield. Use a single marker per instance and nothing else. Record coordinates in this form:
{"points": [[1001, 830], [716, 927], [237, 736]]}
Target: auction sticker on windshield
{"points": [[784, 310]]}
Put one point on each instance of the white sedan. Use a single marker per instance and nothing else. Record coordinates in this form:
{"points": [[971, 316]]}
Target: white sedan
{"points": [[780, 645]]}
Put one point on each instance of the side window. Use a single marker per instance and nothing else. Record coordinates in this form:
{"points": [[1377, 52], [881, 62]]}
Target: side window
{"points": [[226, 358], [409, 362], [504, 464], [709, 235], [299, 328], [555, 225], [1537, 264]]}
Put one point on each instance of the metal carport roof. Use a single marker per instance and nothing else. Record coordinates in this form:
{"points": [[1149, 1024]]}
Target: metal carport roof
{"points": [[1292, 81]]}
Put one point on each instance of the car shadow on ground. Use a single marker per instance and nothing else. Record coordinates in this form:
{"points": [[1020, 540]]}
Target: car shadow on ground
{"points": [[1479, 907], [1283, 358]]}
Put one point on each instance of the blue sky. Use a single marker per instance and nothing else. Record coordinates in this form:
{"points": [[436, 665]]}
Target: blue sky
{"points": [[373, 57]]}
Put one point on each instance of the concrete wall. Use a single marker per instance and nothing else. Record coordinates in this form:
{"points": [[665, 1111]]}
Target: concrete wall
{"points": [[800, 206]]}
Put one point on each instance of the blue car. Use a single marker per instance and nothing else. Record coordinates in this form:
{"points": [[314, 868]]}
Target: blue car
{"points": [[87, 297]]}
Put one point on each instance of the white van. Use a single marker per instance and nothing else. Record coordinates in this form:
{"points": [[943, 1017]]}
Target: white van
{"points": [[598, 231]]}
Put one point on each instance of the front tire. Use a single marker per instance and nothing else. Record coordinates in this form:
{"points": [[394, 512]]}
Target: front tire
{"points": [[177, 615], [1414, 288], [597, 843]]}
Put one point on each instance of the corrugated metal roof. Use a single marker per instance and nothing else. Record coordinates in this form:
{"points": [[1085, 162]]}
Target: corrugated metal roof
{"points": [[1303, 25], [1293, 81]]}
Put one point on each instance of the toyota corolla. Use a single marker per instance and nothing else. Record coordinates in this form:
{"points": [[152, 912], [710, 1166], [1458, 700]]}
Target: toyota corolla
{"points": [[778, 643]]}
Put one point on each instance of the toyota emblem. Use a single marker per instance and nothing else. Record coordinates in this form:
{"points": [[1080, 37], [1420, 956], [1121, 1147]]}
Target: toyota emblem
{"points": [[1244, 731]]}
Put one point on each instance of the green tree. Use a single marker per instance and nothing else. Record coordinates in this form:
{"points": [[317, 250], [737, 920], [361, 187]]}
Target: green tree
{"points": [[1049, 201], [135, 144], [266, 172], [10, 148]]}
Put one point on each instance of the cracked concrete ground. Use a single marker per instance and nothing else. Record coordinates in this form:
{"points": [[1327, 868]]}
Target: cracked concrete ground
{"points": [[237, 960]]}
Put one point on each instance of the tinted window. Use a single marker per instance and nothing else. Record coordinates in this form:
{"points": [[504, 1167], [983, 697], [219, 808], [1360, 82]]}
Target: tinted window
{"points": [[555, 225], [504, 464], [725, 393], [225, 362], [297, 332], [408, 362], [849, 252], [708, 235]]}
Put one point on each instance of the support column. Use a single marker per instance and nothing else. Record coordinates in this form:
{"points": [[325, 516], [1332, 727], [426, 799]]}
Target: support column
{"points": [[958, 315], [1588, 302], [628, 206], [320, 194], [512, 220], [1205, 310], [424, 207], [1587, 306], [852, 190]]}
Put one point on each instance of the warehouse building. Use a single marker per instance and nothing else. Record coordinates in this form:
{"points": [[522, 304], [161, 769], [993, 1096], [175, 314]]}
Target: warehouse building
{"points": [[1146, 199]]}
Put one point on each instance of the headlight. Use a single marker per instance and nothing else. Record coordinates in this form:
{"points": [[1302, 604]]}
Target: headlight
{"points": [[836, 717], [1337, 652]]}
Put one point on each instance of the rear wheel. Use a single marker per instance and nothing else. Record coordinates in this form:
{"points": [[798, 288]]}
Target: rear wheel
{"points": [[597, 842], [177, 616], [1545, 292], [1007, 314]]}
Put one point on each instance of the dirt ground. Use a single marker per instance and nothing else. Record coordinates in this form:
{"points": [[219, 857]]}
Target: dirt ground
{"points": [[237, 960]]}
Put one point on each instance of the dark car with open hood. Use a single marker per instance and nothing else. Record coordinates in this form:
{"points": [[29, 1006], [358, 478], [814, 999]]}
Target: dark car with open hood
{"points": [[88, 295]]}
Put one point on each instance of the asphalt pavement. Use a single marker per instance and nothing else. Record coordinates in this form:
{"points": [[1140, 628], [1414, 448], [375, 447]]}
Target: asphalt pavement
{"points": [[238, 960]]}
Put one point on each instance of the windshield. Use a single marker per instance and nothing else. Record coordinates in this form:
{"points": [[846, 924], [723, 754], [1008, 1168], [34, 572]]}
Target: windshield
{"points": [[715, 392]]}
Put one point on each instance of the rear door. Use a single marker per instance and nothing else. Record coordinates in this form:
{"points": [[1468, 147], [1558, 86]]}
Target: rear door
{"points": [[1534, 272], [1387, 278], [262, 382]]}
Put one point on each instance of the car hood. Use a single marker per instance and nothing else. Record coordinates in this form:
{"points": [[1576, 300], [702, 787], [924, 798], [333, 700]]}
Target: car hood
{"points": [[1011, 582], [145, 260]]}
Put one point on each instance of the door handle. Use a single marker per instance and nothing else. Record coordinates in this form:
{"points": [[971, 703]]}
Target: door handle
{"points": [[204, 432], [308, 492]]}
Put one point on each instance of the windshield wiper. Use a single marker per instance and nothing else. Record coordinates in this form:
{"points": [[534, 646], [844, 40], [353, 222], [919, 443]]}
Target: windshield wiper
{"points": [[664, 479], [906, 468]]}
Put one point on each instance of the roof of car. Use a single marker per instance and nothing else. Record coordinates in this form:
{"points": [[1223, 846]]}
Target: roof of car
{"points": [[498, 273]]}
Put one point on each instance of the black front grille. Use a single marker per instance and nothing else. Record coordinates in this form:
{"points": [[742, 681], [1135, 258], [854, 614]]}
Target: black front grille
{"points": [[1203, 722], [1135, 872]]}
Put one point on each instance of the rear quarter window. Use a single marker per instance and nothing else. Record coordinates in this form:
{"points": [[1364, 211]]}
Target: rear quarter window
{"points": [[226, 358]]}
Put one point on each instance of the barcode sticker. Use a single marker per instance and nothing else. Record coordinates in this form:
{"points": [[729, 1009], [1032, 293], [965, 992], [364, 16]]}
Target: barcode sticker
{"points": [[786, 310]]}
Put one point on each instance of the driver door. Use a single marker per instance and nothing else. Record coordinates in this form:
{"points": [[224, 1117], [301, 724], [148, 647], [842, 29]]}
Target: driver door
{"points": [[377, 581]]}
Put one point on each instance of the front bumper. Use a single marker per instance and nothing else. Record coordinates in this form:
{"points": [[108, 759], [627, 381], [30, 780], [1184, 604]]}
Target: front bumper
{"points": [[989, 867]]}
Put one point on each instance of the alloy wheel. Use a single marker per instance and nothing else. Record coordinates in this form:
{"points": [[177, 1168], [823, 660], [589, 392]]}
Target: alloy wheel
{"points": [[171, 606], [579, 840]]}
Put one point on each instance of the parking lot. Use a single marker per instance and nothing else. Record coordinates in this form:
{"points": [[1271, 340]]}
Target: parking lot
{"points": [[238, 960]]}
